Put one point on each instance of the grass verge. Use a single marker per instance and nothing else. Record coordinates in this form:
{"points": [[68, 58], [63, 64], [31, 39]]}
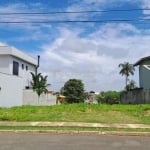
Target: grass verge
{"points": [[124, 114]]}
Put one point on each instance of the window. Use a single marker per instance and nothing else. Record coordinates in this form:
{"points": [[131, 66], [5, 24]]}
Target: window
{"points": [[15, 68], [26, 68], [22, 66]]}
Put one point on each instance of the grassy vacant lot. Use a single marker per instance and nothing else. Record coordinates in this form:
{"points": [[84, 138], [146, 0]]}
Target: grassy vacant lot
{"points": [[79, 113]]}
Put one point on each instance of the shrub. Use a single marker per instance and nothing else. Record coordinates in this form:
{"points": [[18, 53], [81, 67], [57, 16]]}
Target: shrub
{"points": [[109, 97], [74, 91]]}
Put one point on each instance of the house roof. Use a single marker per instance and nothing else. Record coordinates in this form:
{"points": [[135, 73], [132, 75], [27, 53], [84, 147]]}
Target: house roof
{"points": [[7, 50], [141, 60]]}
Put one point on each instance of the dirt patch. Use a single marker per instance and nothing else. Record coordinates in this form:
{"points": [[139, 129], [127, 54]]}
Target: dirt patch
{"points": [[147, 113]]}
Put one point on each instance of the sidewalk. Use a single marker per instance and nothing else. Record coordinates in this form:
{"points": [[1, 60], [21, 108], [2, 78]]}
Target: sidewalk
{"points": [[75, 124]]}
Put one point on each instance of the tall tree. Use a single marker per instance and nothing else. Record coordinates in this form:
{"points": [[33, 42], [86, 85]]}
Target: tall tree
{"points": [[126, 70], [39, 84], [74, 91]]}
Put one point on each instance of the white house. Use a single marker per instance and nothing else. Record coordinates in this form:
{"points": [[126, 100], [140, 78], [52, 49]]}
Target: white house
{"points": [[15, 68]]}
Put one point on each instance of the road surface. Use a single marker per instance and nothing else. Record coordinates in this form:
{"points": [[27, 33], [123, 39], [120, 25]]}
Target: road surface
{"points": [[21, 141]]}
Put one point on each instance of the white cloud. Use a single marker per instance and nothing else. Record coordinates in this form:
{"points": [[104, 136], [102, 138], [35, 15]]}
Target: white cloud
{"points": [[94, 58], [93, 1], [146, 4], [29, 31], [2, 44], [106, 3]]}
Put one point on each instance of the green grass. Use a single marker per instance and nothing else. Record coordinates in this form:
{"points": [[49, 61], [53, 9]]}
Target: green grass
{"points": [[79, 113]]}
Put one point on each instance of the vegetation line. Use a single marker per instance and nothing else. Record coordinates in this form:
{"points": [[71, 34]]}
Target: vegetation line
{"points": [[90, 113]]}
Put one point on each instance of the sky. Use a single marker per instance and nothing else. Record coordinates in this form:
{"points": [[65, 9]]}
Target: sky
{"points": [[90, 51]]}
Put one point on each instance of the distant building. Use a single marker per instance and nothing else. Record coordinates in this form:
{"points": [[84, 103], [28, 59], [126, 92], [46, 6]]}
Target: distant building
{"points": [[91, 99], [140, 95], [144, 72], [15, 68]]}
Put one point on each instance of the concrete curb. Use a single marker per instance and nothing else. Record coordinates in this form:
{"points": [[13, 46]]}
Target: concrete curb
{"points": [[117, 133], [75, 124]]}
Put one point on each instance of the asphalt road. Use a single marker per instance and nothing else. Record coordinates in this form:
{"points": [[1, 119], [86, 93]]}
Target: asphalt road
{"points": [[13, 141]]}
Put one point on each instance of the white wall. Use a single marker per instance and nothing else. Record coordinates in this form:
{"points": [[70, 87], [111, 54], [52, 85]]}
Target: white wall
{"points": [[5, 62], [31, 98], [6, 66], [11, 93], [11, 90], [23, 73], [11, 86], [12, 51]]}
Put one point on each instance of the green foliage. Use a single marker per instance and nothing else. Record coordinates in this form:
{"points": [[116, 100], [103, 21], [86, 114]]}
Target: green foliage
{"points": [[109, 97], [74, 91], [79, 113], [131, 85], [62, 90], [39, 83], [126, 70], [86, 95]]}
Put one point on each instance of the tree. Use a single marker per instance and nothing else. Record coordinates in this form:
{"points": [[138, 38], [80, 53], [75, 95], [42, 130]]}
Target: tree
{"points": [[109, 97], [126, 70], [39, 84], [131, 85], [74, 91]]}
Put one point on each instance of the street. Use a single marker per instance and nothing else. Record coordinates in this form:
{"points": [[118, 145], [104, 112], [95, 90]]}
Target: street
{"points": [[39, 141]]}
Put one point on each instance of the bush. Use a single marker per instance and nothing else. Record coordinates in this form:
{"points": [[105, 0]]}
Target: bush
{"points": [[74, 91], [109, 97]]}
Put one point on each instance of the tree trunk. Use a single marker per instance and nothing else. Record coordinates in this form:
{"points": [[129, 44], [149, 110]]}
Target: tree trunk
{"points": [[126, 80], [38, 99]]}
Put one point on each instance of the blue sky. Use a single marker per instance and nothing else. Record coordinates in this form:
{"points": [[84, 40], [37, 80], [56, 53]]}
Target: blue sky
{"points": [[87, 51]]}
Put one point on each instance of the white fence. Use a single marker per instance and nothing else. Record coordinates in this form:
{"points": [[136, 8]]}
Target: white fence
{"points": [[12, 93], [31, 98]]}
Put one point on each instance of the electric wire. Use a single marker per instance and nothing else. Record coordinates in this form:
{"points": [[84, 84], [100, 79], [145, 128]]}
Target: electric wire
{"points": [[84, 11], [81, 21], [42, 20]]}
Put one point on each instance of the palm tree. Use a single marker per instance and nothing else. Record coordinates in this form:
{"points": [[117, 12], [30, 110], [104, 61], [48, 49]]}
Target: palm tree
{"points": [[39, 84], [126, 70]]}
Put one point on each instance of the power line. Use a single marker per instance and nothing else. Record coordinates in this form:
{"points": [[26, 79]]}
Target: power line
{"points": [[66, 12], [73, 21], [78, 21]]}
